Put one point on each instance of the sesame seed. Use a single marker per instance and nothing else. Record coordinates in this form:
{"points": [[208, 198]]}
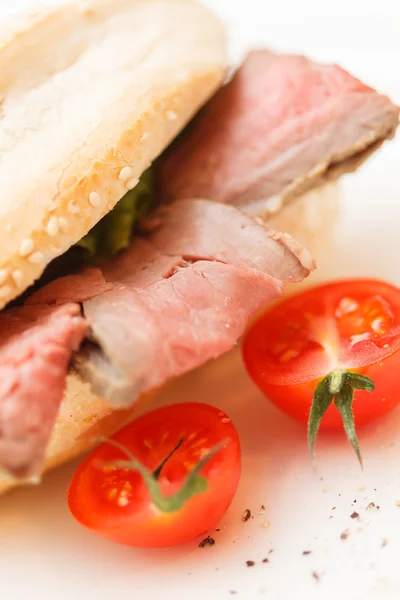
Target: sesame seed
{"points": [[26, 247], [5, 291], [63, 223], [144, 136], [94, 199], [37, 258], [131, 183], [3, 275], [52, 227], [72, 208], [171, 115], [18, 277], [54, 250], [126, 173]]}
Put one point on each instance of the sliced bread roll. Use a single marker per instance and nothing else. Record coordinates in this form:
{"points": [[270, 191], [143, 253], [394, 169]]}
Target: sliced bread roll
{"points": [[90, 94]]}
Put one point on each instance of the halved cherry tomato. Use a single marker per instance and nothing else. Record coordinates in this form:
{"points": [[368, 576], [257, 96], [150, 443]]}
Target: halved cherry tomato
{"points": [[115, 503], [341, 327]]}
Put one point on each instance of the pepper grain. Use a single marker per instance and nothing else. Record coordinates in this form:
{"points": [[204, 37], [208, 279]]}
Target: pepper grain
{"points": [[208, 541], [246, 515], [344, 535]]}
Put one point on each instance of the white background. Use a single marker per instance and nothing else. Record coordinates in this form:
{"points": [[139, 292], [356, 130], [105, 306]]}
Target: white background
{"points": [[44, 554]]}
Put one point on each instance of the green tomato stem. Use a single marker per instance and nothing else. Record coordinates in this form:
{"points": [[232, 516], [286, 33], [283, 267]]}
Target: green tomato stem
{"points": [[338, 388], [194, 484]]}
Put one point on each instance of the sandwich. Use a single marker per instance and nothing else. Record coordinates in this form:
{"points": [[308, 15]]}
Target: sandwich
{"points": [[139, 183]]}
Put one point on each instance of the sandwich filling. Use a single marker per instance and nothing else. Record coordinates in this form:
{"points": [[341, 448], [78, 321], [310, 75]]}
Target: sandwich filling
{"points": [[180, 295], [158, 292]]}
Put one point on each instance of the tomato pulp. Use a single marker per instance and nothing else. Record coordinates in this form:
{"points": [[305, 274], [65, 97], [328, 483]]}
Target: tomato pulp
{"points": [[352, 325], [115, 502]]}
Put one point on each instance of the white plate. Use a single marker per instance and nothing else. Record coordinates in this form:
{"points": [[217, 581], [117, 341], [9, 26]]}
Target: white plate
{"points": [[44, 554]]}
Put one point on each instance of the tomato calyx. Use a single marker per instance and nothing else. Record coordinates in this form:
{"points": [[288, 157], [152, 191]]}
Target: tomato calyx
{"points": [[337, 387], [194, 484]]}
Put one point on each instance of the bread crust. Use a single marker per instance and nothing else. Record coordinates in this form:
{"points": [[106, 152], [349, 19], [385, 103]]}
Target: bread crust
{"points": [[90, 94]]}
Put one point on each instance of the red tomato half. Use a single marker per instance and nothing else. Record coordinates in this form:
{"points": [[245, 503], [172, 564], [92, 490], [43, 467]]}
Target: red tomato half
{"points": [[115, 503], [354, 325]]}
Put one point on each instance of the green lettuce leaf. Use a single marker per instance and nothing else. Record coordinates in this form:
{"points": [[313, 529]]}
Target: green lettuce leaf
{"points": [[114, 232]]}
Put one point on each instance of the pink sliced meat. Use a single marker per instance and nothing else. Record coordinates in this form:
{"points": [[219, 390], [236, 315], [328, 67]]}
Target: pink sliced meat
{"points": [[147, 335], [71, 288], [179, 296], [210, 230], [182, 296], [150, 265], [274, 131], [35, 350]]}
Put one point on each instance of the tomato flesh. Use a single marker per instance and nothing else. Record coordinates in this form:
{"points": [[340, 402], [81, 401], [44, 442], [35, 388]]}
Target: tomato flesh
{"points": [[115, 502], [353, 325]]}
